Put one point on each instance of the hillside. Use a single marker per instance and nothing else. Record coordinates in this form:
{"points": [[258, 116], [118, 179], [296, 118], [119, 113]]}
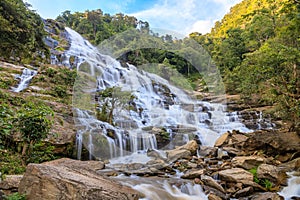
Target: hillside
{"points": [[256, 47]]}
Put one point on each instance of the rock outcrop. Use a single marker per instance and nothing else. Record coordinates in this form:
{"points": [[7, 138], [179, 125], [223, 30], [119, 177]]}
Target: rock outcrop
{"points": [[71, 179]]}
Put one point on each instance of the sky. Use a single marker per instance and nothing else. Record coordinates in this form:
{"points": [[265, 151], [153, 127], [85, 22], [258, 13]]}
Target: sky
{"points": [[179, 16]]}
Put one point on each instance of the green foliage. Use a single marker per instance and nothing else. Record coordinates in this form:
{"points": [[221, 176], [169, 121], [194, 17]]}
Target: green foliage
{"points": [[256, 47], [5, 124], [15, 196], [11, 162], [267, 184], [97, 26], [34, 121], [41, 152], [21, 32], [112, 100]]}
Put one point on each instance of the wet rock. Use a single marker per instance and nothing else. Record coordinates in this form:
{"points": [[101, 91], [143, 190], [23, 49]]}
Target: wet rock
{"points": [[193, 174], [71, 179], [209, 181], [247, 162], [235, 175], [272, 173], [222, 154]]}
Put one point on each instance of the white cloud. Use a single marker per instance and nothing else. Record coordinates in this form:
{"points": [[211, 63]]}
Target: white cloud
{"points": [[186, 16], [202, 26]]}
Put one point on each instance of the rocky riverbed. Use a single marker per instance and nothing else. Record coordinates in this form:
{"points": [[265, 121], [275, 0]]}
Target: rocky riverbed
{"points": [[239, 166]]}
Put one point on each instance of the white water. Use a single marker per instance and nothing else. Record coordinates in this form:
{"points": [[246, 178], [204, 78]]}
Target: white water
{"points": [[156, 104], [293, 188], [25, 79]]}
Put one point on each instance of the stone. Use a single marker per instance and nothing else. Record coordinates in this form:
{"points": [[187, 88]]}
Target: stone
{"points": [[212, 196], [211, 190], [176, 154], [267, 196], [244, 192], [71, 179], [233, 151], [191, 146], [235, 175], [293, 165], [222, 154], [247, 162], [239, 139], [222, 139], [207, 151], [183, 152], [10, 184], [273, 142], [272, 173], [209, 181], [193, 174]]}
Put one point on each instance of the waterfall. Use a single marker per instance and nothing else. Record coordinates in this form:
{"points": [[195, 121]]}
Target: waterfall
{"points": [[153, 102], [25, 79]]}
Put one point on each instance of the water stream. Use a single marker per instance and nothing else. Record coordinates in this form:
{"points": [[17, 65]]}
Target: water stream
{"points": [[25, 79], [142, 101]]}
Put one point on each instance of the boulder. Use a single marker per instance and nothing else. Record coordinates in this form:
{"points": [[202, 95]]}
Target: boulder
{"points": [[71, 179], [236, 175], [207, 151], [293, 165], [244, 192], [266, 196], [222, 139], [247, 162], [272, 173], [193, 174], [209, 181], [177, 154], [191, 146], [183, 152]]}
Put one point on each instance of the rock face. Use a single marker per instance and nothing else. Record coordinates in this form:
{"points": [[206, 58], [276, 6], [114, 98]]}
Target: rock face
{"points": [[71, 179]]}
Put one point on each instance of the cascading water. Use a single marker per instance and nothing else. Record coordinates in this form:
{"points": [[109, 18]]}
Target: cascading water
{"points": [[152, 102], [155, 103], [25, 79]]}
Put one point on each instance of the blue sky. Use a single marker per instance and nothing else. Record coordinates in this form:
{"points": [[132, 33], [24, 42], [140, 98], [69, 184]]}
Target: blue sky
{"points": [[181, 16]]}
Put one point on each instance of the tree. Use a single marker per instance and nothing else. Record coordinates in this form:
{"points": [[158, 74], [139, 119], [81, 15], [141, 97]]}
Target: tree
{"points": [[21, 32], [34, 121], [110, 100]]}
